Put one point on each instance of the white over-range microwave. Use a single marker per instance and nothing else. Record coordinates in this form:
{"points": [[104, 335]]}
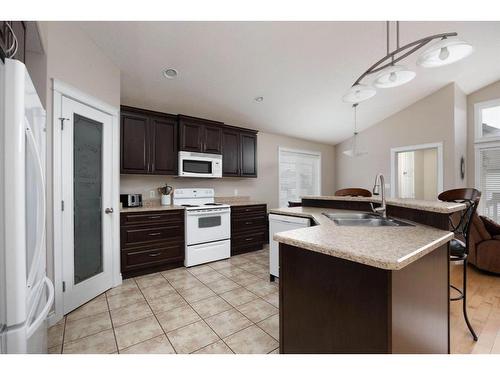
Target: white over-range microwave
{"points": [[195, 164]]}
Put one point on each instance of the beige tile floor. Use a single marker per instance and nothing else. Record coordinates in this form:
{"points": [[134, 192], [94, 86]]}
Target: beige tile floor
{"points": [[228, 307], [222, 307]]}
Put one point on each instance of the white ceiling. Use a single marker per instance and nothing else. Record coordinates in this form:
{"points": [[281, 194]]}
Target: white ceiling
{"points": [[302, 69]]}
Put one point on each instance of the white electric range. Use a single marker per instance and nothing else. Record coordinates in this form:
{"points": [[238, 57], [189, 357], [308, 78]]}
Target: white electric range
{"points": [[207, 226]]}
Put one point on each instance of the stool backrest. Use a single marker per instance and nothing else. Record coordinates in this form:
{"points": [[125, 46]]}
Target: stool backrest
{"points": [[470, 197], [353, 192]]}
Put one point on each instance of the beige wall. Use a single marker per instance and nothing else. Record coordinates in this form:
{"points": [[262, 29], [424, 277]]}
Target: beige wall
{"points": [[263, 188], [489, 92], [430, 120], [74, 59]]}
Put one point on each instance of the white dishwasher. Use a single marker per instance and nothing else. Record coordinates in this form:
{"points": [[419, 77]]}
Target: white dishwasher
{"points": [[281, 223]]}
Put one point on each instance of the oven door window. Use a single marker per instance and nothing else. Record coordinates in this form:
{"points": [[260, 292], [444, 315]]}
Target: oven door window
{"points": [[209, 222], [197, 166]]}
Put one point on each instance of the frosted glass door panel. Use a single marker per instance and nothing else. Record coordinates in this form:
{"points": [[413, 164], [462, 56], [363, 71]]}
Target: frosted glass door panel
{"points": [[87, 159]]}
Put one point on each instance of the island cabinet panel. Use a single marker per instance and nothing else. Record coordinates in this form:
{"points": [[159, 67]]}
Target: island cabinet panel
{"points": [[151, 241], [148, 142], [332, 305], [249, 228]]}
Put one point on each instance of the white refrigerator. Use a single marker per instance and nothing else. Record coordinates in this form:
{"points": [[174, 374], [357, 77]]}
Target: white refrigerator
{"points": [[26, 294]]}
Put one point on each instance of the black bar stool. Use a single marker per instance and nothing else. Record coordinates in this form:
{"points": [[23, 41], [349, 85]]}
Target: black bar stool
{"points": [[459, 246]]}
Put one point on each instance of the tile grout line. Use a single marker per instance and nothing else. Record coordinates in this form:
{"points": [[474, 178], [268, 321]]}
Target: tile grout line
{"points": [[234, 307], [112, 324], [156, 318], [220, 338]]}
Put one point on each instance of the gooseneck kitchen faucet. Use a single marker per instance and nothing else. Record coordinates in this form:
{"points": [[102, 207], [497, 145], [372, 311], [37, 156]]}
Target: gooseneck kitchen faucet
{"points": [[380, 188]]}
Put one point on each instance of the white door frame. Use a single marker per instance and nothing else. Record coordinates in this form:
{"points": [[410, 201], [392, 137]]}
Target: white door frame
{"points": [[395, 150], [60, 90]]}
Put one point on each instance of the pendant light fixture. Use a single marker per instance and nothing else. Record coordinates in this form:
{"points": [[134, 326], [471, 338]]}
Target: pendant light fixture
{"points": [[387, 71], [394, 75], [359, 93], [445, 52], [353, 151]]}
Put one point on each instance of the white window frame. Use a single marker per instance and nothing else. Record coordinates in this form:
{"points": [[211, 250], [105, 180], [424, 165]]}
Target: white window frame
{"points": [[425, 146], [478, 125], [477, 167], [299, 151]]}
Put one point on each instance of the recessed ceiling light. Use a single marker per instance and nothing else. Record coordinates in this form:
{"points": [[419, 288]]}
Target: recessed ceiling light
{"points": [[170, 73], [259, 99]]}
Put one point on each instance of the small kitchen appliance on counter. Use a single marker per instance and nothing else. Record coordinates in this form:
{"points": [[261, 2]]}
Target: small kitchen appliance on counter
{"points": [[131, 200]]}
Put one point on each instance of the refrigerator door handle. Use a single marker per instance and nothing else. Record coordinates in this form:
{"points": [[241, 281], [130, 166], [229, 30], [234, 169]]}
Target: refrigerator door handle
{"points": [[42, 206], [43, 314]]}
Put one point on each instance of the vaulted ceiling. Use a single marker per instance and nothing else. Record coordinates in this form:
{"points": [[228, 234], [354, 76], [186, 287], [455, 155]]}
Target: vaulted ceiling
{"points": [[302, 69]]}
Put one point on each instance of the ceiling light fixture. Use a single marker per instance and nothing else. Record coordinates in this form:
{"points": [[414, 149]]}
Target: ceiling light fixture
{"points": [[448, 50], [359, 93], [259, 99], [445, 52], [170, 73], [353, 151], [394, 75]]}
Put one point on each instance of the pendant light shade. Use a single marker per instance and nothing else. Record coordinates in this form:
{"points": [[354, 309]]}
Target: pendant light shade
{"points": [[353, 151], [393, 76], [444, 52], [359, 93]]}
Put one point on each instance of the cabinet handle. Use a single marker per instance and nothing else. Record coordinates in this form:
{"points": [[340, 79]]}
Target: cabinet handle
{"points": [[249, 239], [248, 222], [154, 234], [154, 254], [155, 217]]}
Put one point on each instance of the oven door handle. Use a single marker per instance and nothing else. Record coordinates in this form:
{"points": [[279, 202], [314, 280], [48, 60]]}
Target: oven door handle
{"points": [[207, 214]]}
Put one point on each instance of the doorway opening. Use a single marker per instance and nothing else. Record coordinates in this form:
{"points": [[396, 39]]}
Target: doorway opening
{"points": [[417, 171]]}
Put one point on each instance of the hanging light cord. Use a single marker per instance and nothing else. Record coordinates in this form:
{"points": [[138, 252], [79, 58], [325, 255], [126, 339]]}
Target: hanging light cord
{"points": [[355, 106]]}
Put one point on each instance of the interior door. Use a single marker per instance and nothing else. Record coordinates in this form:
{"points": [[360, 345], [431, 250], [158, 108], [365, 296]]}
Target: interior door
{"points": [[87, 203]]}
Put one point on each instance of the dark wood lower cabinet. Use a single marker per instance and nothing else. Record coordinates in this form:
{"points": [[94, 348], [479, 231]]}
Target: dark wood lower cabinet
{"points": [[151, 241], [332, 305], [249, 228]]}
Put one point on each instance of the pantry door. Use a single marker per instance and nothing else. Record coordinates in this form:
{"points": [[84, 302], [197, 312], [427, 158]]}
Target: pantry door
{"points": [[87, 213]]}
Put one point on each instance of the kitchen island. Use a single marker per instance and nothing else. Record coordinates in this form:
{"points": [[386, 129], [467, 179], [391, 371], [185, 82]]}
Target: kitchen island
{"points": [[359, 289]]}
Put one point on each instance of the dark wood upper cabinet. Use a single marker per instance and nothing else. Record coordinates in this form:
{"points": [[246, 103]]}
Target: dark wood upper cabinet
{"points": [[248, 145], [230, 152], [200, 135], [148, 142], [213, 140], [151, 141], [134, 142], [164, 145]]}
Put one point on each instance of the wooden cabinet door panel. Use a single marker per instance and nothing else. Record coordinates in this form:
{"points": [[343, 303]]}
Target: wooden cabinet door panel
{"points": [[212, 140], [134, 143], [230, 152], [248, 144], [191, 137], [164, 146]]}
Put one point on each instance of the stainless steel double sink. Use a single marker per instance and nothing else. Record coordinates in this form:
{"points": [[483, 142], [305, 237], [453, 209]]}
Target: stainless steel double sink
{"points": [[364, 219]]}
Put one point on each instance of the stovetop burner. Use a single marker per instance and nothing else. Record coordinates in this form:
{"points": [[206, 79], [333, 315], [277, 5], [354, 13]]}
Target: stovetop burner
{"points": [[213, 204], [190, 205]]}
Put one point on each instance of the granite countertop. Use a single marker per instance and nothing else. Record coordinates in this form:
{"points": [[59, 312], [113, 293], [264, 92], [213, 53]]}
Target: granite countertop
{"points": [[431, 206], [155, 207], [390, 248]]}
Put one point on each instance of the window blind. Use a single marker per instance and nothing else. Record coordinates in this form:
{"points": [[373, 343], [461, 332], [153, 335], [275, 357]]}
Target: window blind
{"points": [[489, 175], [299, 175]]}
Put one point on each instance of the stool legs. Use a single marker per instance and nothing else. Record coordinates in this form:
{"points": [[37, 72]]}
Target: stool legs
{"points": [[464, 302]]}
